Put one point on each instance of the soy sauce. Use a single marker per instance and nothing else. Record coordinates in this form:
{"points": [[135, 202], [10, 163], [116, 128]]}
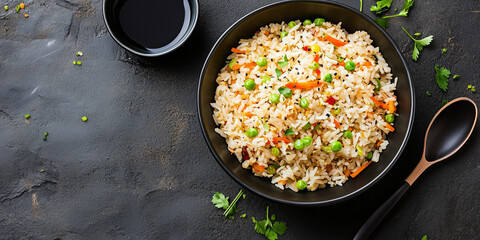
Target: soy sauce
{"points": [[154, 24]]}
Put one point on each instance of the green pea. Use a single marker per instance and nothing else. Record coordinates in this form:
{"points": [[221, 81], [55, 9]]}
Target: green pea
{"points": [[304, 103], [369, 156], [271, 169], [265, 79], [314, 66], [319, 21], [275, 98], [347, 134], [262, 61], [232, 62], [284, 34], [328, 78], [307, 141], [350, 66], [307, 126], [292, 24], [298, 144], [275, 151], [336, 146], [301, 184], [307, 22], [337, 110], [327, 149], [251, 132], [390, 118], [250, 84]]}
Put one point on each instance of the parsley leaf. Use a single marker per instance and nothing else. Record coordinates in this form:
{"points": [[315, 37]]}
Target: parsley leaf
{"points": [[419, 44], [442, 77], [220, 200], [283, 63], [383, 22], [382, 6], [278, 72], [287, 92], [424, 237], [269, 229], [289, 132]]}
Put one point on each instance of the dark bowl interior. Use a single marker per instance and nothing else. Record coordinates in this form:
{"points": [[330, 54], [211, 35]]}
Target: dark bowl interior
{"points": [[352, 20], [111, 10]]}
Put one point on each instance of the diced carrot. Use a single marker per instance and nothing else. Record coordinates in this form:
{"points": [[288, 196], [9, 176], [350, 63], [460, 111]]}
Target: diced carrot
{"points": [[247, 114], [360, 169], [236, 66], [378, 103], [329, 168], [390, 127], [26, 15], [334, 41], [339, 64], [351, 129], [318, 73], [267, 143], [379, 143], [234, 81], [267, 32], [258, 168], [235, 50], [250, 66], [303, 85], [283, 182], [391, 107], [347, 173], [367, 64], [22, 5], [317, 58], [337, 125], [278, 139]]}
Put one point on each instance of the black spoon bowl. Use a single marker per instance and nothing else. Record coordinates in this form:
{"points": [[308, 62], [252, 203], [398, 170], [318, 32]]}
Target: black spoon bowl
{"points": [[448, 131]]}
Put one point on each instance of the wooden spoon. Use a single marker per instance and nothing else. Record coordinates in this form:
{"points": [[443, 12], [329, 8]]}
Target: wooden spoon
{"points": [[448, 131]]}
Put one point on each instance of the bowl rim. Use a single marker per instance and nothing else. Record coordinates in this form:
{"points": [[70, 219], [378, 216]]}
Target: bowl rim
{"points": [[195, 7], [314, 203]]}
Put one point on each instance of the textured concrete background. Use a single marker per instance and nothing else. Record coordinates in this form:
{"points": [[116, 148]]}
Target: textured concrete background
{"points": [[140, 169]]}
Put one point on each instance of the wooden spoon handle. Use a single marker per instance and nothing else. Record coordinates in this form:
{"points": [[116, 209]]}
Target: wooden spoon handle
{"points": [[369, 226]]}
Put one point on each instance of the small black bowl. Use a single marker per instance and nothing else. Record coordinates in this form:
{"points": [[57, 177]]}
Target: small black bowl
{"points": [[352, 20], [111, 9]]}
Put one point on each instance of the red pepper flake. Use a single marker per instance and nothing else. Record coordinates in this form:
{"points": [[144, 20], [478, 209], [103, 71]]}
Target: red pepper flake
{"points": [[331, 100], [305, 48], [245, 155]]}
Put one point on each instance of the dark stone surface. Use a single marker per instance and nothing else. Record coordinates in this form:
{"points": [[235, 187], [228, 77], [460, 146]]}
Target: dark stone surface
{"points": [[140, 169]]}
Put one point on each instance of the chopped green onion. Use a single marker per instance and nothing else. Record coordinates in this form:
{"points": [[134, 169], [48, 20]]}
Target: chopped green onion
{"points": [[455, 77], [79, 63], [17, 8], [417, 34], [84, 118], [444, 50], [428, 93], [444, 102], [359, 150], [469, 86], [27, 116], [6, 8], [266, 126]]}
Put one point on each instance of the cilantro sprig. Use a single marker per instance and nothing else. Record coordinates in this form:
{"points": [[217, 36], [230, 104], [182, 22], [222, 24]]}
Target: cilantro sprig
{"points": [[220, 201], [382, 6], [283, 63], [383, 22], [419, 44], [270, 229], [289, 132], [442, 77]]}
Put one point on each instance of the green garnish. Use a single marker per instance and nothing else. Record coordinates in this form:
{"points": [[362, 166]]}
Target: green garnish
{"points": [[266, 126], [361, 5], [79, 63], [469, 86], [278, 72], [41, 170], [444, 102], [472, 89], [79, 53], [231, 63], [317, 127], [307, 126], [442, 77], [84, 118], [444, 50], [379, 85], [74, 62], [6, 8], [419, 44], [417, 34], [383, 22], [289, 132], [17, 8], [269, 229], [220, 201], [45, 136], [455, 77], [424, 237], [283, 63], [243, 215], [382, 6], [27, 116], [428, 93], [287, 92]]}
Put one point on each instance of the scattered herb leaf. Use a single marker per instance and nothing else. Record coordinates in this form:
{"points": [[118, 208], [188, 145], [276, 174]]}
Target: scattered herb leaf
{"points": [[442, 77], [27, 116], [428, 93], [417, 34], [17, 8], [379, 85], [444, 50], [283, 63], [419, 44], [456, 77], [382, 6], [243, 215], [424, 237], [45, 136], [289, 132], [382, 22], [287, 92], [269, 229], [6, 7], [278, 72], [41, 170], [79, 63], [219, 200], [444, 102], [406, 6]]}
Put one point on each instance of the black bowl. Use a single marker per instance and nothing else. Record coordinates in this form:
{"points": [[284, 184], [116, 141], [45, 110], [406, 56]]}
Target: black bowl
{"points": [[352, 20], [111, 9]]}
